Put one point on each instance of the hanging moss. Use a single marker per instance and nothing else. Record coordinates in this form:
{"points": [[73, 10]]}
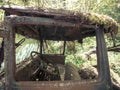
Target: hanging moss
{"points": [[77, 18], [85, 17]]}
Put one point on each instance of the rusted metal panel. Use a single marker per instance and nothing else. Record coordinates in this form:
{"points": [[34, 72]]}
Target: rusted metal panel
{"points": [[56, 59], [62, 30], [30, 11], [40, 21], [58, 85], [102, 59], [9, 54], [46, 21]]}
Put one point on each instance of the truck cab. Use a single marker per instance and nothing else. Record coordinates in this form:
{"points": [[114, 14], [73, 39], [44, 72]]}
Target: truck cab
{"points": [[57, 25]]}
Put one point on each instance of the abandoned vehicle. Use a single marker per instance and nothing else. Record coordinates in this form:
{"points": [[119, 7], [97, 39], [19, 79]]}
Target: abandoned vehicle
{"points": [[42, 71]]}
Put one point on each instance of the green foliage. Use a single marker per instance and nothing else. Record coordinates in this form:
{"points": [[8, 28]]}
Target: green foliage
{"points": [[117, 70], [27, 47]]}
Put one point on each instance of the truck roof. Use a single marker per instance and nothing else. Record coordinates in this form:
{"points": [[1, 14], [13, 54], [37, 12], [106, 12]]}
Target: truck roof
{"points": [[59, 24]]}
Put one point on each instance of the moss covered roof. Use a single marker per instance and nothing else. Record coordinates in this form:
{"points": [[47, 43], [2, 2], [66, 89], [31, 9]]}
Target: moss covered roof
{"points": [[88, 21]]}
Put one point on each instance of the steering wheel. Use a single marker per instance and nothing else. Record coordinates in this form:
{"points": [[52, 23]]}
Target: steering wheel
{"points": [[33, 54]]}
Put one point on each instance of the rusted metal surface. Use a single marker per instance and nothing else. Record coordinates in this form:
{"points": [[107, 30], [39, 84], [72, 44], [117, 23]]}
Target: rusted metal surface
{"points": [[9, 54], [42, 12], [52, 29], [56, 59], [66, 85], [40, 21], [102, 59]]}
